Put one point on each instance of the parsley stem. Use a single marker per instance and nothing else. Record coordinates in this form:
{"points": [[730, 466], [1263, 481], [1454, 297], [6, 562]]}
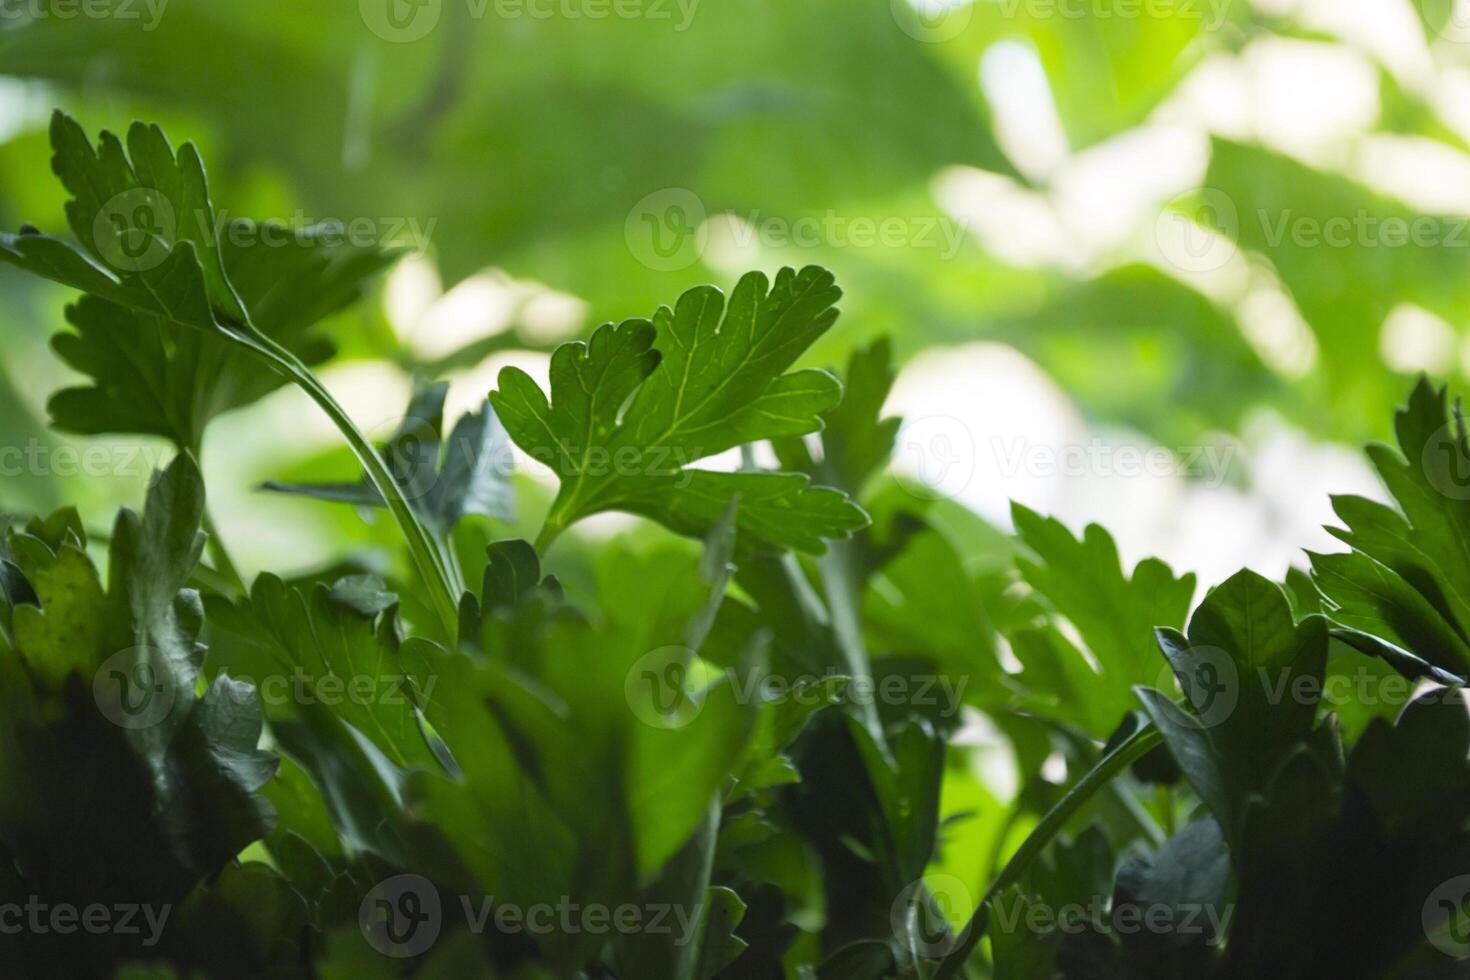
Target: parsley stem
{"points": [[1134, 748], [562, 515], [551, 528], [439, 575], [842, 602]]}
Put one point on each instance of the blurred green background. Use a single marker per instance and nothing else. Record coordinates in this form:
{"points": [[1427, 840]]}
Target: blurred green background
{"points": [[1217, 233]]}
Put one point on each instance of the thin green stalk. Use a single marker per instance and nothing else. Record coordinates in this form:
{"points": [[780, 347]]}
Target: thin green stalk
{"points": [[208, 577], [1166, 807], [551, 528], [992, 860], [842, 603], [1137, 745], [421, 546], [839, 583], [440, 578]]}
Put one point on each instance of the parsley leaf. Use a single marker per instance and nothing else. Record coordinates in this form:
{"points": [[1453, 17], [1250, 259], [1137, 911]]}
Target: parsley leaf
{"points": [[338, 650], [1114, 613], [1341, 864], [151, 375], [697, 380], [1408, 578], [150, 241], [1251, 677], [857, 439], [105, 686], [448, 480], [147, 230]]}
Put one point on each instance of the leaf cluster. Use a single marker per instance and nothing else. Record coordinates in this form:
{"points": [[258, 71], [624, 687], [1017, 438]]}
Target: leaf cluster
{"points": [[748, 739]]}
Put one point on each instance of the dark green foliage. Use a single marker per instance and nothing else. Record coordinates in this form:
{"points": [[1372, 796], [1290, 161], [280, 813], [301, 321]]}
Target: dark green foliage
{"points": [[728, 758]]}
